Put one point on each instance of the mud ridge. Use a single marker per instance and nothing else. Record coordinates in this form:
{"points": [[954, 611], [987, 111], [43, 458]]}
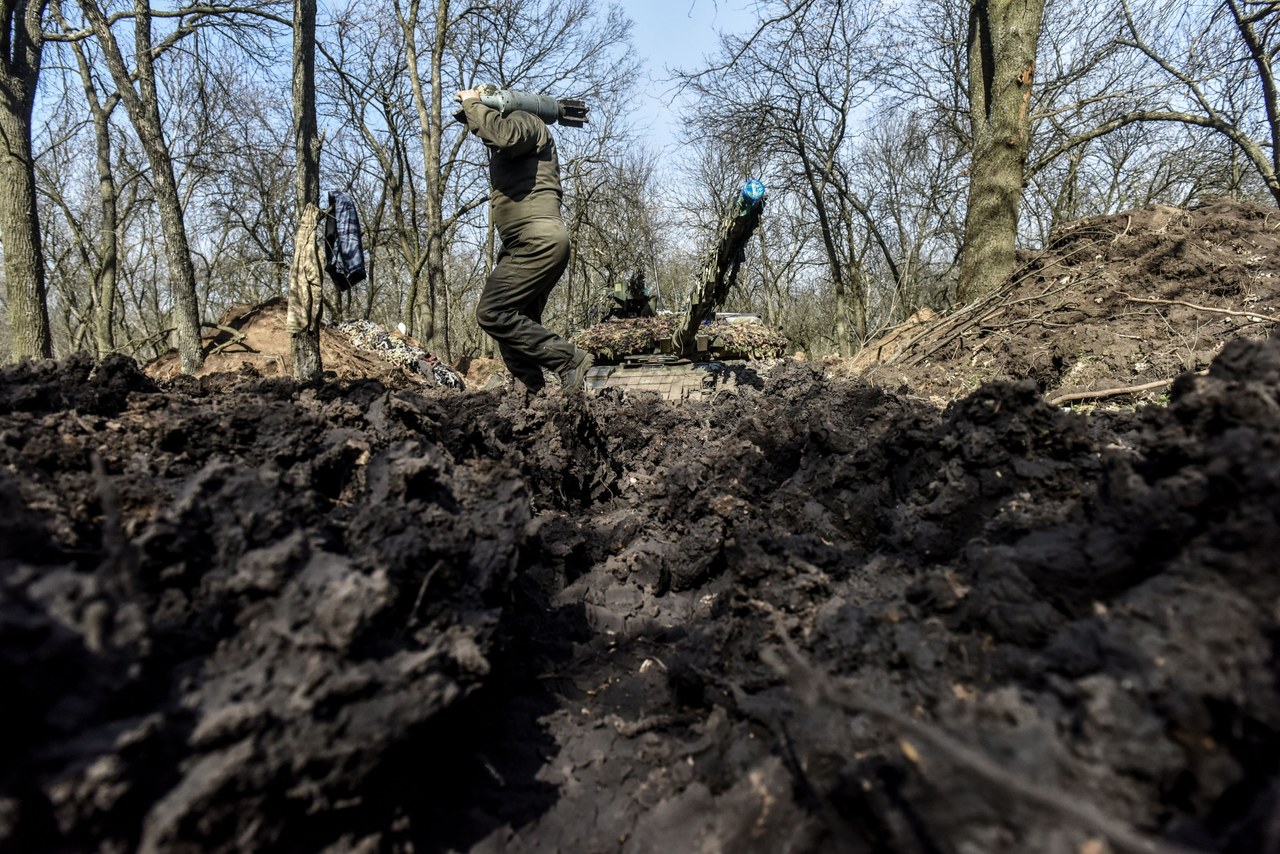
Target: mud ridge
{"points": [[241, 614]]}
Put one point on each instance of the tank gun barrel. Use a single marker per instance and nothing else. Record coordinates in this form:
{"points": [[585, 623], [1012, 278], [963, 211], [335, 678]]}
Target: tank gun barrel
{"points": [[720, 271]]}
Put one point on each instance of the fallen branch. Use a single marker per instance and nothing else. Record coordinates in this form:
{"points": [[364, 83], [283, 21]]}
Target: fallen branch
{"points": [[225, 344], [1026, 321], [236, 337], [230, 330], [1047, 294], [1108, 392], [138, 343], [1251, 315]]}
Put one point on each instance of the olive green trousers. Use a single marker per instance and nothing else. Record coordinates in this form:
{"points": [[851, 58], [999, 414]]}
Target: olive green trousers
{"points": [[533, 257]]}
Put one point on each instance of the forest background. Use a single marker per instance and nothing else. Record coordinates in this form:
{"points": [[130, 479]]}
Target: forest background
{"points": [[154, 157]]}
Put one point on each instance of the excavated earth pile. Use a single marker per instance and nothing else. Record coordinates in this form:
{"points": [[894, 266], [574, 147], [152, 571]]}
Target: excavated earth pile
{"points": [[1112, 303], [239, 614]]}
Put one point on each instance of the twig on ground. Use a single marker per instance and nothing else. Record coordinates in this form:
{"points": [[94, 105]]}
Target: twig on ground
{"points": [[1108, 392], [1026, 321], [630, 729], [1128, 222], [1252, 315], [236, 338], [119, 559], [422, 592], [224, 345]]}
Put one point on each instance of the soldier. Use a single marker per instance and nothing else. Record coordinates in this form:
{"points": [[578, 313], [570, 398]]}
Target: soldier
{"points": [[524, 201]]}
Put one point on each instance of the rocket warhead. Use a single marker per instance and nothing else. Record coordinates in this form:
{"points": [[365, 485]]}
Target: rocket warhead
{"points": [[569, 112]]}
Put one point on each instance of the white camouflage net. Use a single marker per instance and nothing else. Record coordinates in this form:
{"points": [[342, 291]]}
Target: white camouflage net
{"points": [[367, 335]]}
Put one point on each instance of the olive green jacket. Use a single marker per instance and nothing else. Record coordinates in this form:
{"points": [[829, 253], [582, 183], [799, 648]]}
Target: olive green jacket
{"points": [[524, 169]]}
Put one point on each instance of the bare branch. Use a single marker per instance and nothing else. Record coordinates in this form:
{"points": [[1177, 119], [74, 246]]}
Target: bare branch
{"points": [[1108, 392], [199, 11], [1251, 315]]}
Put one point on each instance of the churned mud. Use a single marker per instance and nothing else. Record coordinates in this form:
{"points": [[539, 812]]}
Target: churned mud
{"points": [[819, 615]]}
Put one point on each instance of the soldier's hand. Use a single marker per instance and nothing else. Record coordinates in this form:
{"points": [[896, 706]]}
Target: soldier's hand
{"points": [[464, 94]]}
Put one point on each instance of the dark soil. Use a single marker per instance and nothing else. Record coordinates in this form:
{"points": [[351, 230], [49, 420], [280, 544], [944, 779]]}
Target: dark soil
{"points": [[822, 615]]}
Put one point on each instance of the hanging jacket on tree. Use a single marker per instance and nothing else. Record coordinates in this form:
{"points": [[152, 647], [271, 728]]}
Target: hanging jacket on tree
{"points": [[344, 254]]}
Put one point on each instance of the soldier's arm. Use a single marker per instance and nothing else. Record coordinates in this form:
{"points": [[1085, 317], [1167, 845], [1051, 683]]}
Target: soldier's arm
{"points": [[515, 135]]}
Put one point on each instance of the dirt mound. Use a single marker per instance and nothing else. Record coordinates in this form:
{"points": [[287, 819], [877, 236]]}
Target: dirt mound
{"points": [[1113, 302], [819, 615], [253, 339], [230, 600], [482, 373]]}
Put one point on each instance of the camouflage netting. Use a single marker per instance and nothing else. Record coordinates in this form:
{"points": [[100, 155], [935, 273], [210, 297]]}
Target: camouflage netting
{"points": [[367, 335], [616, 339]]}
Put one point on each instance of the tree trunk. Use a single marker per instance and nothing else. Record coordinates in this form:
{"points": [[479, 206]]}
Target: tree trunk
{"points": [[182, 272], [305, 345], [105, 276], [844, 341], [29, 334], [1260, 52], [1002, 52], [428, 105], [143, 106], [108, 195]]}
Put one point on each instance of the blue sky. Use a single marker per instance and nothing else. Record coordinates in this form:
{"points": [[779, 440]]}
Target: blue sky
{"points": [[677, 34]]}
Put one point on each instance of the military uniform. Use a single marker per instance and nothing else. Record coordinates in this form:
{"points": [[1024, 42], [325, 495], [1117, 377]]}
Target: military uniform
{"points": [[524, 201]]}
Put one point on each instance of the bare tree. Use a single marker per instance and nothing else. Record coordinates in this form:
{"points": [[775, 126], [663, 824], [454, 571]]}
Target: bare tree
{"points": [[138, 89], [428, 103], [21, 47], [102, 266], [143, 107], [1137, 121], [244, 179], [906, 172], [1210, 77]]}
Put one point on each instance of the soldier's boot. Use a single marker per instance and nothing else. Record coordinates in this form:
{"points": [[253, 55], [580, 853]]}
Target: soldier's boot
{"points": [[575, 376]]}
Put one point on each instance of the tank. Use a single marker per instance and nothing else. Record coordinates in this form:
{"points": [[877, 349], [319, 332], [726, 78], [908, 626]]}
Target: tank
{"points": [[697, 351]]}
